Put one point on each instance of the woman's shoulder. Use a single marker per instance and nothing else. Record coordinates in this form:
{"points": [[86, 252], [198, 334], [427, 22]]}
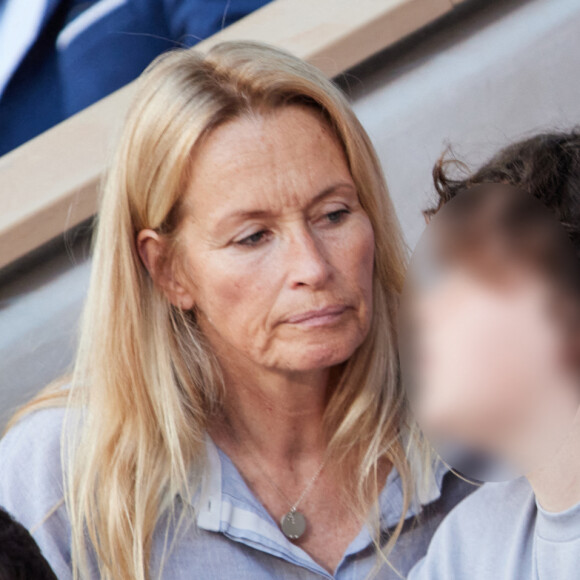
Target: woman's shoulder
{"points": [[31, 477], [33, 435], [31, 483]]}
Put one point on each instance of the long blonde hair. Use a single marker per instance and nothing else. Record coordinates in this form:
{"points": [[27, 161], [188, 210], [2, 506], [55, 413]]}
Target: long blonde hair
{"points": [[144, 383]]}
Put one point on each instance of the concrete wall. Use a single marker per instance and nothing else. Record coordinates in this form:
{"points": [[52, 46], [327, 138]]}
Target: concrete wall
{"points": [[493, 72]]}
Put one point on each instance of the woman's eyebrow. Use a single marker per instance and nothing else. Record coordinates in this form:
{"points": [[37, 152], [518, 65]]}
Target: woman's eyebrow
{"points": [[244, 214], [331, 189]]}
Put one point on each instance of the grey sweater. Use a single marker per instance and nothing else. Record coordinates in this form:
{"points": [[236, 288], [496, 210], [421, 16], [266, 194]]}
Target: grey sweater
{"points": [[501, 533]]}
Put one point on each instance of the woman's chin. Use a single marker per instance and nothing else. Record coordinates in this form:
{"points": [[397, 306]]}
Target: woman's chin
{"points": [[319, 357]]}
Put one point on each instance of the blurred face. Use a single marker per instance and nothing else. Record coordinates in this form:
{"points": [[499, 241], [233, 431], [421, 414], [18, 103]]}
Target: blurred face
{"points": [[277, 250], [490, 365]]}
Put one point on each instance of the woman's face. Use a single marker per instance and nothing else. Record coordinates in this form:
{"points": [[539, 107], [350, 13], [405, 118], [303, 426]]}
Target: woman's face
{"points": [[277, 251]]}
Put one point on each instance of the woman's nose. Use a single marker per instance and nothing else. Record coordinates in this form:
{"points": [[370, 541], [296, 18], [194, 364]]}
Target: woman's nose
{"points": [[306, 262]]}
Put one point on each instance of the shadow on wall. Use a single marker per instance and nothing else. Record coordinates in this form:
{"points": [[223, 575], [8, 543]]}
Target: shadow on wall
{"points": [[41, 299]]}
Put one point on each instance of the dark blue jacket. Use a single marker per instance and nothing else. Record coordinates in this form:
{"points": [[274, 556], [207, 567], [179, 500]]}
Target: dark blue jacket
{"points": [[87, 49]]}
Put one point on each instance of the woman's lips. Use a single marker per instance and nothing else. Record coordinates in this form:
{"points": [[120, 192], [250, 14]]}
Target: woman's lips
{"points": [[320, 317]]}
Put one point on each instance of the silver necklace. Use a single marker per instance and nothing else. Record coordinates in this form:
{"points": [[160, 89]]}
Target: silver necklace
{"points": [[293, 523]]}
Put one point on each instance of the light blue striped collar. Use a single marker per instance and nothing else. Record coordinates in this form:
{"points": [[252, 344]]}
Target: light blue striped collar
{"points": [[226, 505]]}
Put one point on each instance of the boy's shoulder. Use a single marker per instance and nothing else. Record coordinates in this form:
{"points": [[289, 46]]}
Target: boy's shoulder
{"points": [[487, 535], [493, 506]]}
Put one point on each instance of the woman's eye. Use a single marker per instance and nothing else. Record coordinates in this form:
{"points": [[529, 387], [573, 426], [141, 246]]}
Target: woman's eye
{"points": [[337, 216], [253, 239]]}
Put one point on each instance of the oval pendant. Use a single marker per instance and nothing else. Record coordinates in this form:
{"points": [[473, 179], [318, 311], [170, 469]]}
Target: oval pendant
{"points": [[293, 525]]}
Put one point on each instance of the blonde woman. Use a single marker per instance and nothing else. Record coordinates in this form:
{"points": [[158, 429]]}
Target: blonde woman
{"points": [[235, 409]]}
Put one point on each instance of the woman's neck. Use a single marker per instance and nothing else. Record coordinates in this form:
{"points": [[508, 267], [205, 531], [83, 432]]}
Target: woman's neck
{"points": [[276, 416]]}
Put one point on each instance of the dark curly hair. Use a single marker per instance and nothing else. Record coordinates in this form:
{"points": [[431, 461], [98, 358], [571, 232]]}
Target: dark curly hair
{"points": [[547, 166], [20, 557]]}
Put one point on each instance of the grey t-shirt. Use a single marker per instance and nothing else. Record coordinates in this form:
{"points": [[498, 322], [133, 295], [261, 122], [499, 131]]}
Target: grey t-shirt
{"points": [[501, 533]]}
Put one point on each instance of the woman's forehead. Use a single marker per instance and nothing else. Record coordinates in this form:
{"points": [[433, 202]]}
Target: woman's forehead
{"points": [[286, 159], [285, 132]]}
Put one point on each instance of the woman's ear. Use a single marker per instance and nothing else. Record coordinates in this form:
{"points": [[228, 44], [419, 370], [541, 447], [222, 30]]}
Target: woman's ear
{"points": [[152, 250]]}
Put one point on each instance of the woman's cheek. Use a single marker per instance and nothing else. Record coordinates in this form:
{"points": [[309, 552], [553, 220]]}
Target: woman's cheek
{"points": [[225, 291], [361, 248]]}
